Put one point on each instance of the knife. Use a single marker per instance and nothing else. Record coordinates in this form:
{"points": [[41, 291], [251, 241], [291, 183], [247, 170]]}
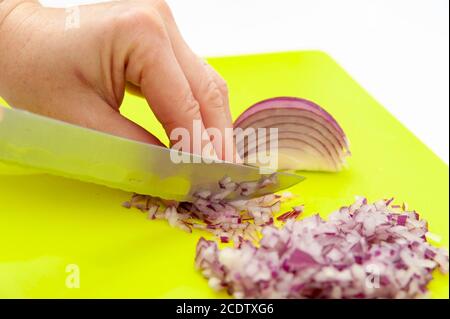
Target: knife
{"points": [[67, 150]]}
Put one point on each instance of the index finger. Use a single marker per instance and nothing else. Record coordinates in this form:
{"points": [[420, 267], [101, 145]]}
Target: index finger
{"points": [[207, 86], [154, 68]]}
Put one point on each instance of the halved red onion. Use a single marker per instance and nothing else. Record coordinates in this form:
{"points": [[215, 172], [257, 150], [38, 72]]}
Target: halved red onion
{"points": [[362, 251], [309, 138]]}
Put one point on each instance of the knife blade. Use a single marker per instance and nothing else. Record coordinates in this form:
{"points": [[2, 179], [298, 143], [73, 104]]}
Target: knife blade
{"points": [[67, 150]]}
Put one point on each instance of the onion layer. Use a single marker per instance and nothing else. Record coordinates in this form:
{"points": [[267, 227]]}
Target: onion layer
{"points": [[309, 138]]}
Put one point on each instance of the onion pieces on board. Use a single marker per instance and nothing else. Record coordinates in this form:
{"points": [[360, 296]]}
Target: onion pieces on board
{"points": [[361, 251], [228, 220]]}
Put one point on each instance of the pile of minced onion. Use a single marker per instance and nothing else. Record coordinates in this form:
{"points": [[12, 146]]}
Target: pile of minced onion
{"points": [[361, 251]]}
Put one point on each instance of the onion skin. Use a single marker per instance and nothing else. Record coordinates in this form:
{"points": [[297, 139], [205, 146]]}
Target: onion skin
{"points": [[289, 102], [309, 137]]}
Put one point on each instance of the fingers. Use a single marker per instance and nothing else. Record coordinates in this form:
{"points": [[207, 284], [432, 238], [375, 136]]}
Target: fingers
{"points": [[207, 87], [153, 67], [230, 147], [223, 88]]}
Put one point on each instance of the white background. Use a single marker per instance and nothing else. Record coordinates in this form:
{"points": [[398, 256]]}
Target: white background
{"points": [[396, 49]]}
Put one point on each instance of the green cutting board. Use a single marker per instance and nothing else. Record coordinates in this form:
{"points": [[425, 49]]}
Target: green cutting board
{"points": [[48, 224]]}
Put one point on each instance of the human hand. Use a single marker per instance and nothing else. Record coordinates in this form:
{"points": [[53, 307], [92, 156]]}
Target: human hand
{"points": [[80, 75]]}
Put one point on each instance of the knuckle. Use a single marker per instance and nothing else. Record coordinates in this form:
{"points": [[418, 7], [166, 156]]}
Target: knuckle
{"points": [[163, 8], [212, 94], [137, 20], [222, 85], [219, 81], [191, 106]]}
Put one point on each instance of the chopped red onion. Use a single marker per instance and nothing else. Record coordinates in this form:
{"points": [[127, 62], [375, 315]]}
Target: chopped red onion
{"points": [[291, 214], [377, 250], [361, 251], [228, 220]]}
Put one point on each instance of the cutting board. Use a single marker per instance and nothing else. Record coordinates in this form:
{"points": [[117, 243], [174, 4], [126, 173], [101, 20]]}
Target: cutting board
{"points": [[58, 234]]}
